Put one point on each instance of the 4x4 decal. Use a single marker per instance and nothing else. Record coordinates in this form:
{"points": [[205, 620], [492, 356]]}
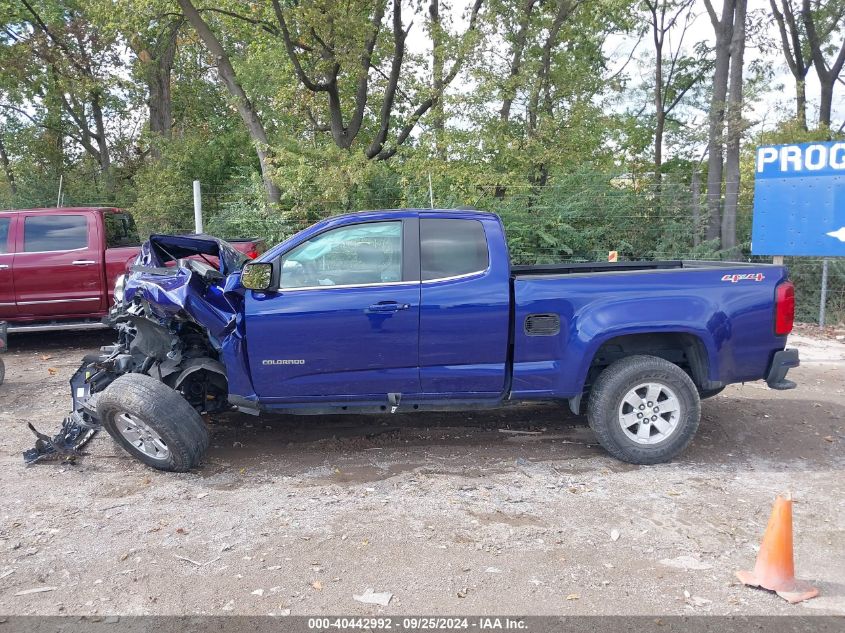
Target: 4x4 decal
{"points": [[734, 278]]}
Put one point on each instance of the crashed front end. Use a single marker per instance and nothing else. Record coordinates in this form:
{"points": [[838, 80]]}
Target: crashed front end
{"points": [[173, 317]]}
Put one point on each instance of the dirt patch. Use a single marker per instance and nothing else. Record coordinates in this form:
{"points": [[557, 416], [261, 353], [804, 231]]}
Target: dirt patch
{"points": [[446, 511]]}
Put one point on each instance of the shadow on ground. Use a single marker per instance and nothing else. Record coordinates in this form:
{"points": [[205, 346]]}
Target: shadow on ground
{"points": [[781, 430]]}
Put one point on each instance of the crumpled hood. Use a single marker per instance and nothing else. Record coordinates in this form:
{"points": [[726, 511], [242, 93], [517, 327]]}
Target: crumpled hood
{"points": [[169, 290], [160, 249]]}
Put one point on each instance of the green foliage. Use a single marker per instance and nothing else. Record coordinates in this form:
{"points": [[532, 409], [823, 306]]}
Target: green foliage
{"points": [[569, 167], [164, 188], [242, 212]]}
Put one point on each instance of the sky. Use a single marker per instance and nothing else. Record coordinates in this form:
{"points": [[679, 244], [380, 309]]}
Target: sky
{"points": [[764, 112]]}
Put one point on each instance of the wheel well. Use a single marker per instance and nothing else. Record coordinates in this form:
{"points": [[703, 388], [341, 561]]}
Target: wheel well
{"points": [[685, 350]]}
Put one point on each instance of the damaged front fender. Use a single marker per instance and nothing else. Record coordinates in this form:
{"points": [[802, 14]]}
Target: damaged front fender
{"points": [[176, 323]]}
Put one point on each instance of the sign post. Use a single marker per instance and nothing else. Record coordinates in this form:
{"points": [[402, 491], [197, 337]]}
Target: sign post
{"points": [[799, 203]]}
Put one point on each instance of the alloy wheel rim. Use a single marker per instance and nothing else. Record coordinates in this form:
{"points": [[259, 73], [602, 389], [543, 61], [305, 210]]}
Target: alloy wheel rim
{"points": [[649, 413], [142, 437]]}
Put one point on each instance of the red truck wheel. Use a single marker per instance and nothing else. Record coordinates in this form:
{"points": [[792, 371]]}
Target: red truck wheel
{"points": [[644, 410], [153, 423]]}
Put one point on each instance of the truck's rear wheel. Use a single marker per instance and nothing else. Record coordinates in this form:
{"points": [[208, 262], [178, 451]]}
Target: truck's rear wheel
{"points": [[644, 409], [153, 423]]}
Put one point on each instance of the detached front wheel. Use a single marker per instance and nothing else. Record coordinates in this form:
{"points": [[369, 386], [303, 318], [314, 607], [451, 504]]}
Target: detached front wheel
{"points": [[153, 423], [644, 410]]}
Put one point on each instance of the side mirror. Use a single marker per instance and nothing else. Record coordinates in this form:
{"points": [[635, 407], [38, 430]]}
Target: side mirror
{"points": [[257, 276]]}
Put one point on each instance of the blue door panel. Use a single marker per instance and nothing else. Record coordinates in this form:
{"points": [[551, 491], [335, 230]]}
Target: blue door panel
{"points": [[465, 325], [334, 341]]}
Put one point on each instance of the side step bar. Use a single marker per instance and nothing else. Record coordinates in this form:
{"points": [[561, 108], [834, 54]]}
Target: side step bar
{"points": [[52, 326]]}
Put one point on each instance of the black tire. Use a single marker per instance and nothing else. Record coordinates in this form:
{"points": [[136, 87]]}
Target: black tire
{"points": [[709, 393], [163, 410], [2, 371], [606, 402]]}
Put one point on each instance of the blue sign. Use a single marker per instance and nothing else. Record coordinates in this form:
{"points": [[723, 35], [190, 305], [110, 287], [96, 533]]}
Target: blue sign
{"points": [[799, 200]]}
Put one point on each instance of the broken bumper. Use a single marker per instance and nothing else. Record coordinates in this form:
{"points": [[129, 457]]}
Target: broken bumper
{"points": [[65, 445], [782, 362], [77, 428]]}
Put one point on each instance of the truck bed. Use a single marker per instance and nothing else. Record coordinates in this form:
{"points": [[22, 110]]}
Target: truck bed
{"points": [[726, 306]]}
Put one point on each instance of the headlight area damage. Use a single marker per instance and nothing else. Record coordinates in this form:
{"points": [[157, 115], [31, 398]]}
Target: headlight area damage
{"points": [[172, 322]]}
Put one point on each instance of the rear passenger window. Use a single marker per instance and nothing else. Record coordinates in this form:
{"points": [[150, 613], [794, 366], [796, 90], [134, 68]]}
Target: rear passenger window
{"points": [[451, 247], [5, 223], [55, 233], [120, 230]]}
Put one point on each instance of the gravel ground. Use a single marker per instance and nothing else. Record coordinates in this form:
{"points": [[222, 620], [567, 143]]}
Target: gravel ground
{"points": [[450, 513]]}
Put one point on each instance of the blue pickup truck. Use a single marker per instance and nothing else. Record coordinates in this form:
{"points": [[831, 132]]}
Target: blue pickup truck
{"points": [[418, 310]]}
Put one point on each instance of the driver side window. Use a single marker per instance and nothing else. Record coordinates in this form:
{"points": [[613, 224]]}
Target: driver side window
{"points": [[369, 253]]}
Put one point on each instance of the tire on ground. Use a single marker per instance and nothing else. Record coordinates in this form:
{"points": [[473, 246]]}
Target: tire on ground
{"points": [[606, 399], [162, 409]]}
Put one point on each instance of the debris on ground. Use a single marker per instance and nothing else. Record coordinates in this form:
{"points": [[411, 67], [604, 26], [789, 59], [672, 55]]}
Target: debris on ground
{"points": [[27, 592], [310, 490], [685, 562], [196, 562], [695, 601], [370, 597]]}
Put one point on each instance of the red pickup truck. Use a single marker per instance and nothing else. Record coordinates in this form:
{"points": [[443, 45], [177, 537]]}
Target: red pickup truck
{"points": [[58, 266]]}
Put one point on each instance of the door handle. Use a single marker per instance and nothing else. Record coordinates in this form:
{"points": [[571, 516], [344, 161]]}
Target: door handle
{"points": [[83, 262], [388, 306], [4, 266]]}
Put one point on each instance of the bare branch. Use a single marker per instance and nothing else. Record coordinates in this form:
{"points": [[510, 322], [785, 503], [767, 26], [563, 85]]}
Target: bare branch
{"points": [[313, 86], [364, 73], [399, 34], [264, 25]]}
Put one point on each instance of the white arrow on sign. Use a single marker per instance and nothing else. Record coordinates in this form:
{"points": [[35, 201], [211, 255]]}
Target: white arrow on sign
{"points": [[840, 234]]}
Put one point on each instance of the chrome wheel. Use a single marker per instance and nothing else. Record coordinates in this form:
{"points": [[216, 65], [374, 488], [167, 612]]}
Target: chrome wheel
{"points": [[142, 437], [649, 413]]}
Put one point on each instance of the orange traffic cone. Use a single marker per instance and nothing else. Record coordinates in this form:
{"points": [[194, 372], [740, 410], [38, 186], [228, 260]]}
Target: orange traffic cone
{"points": [[775, 569]]}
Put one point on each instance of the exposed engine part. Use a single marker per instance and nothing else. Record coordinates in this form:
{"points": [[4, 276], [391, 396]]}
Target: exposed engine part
{"points": [[174, 351]]}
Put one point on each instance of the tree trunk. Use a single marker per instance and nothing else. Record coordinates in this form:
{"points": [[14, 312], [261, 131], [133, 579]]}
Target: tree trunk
{"points": [[792, 45], [659, 111], [248, 113], [828, 74], [102, 141], [438, 122], [161, 117], [54, 132], [158, 68], [695, 193], [825, 101], [659, 126], [801, 103], [7, 169], [516, 60], [722, 28], [735, 129]]}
